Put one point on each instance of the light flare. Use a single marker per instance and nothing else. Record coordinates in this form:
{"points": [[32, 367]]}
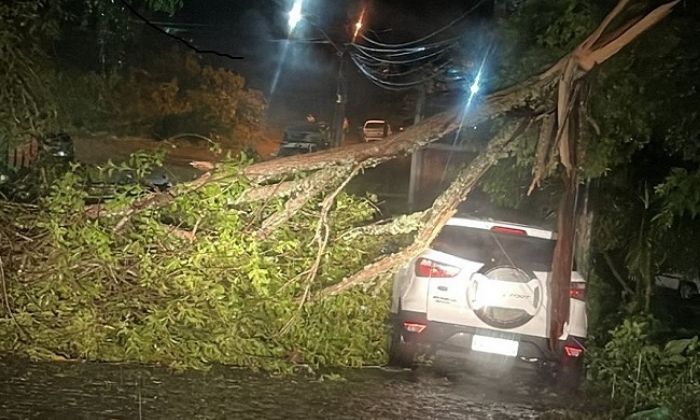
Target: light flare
{"points": [[359, 25], [295, 15], [474, 88]]}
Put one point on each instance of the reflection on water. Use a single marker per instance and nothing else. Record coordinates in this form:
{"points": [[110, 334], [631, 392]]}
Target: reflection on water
{"points": [[99, 391]]}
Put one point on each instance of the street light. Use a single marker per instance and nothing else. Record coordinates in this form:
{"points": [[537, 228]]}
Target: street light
{"points": [[474, 88], [358, 25], [295, 16]]}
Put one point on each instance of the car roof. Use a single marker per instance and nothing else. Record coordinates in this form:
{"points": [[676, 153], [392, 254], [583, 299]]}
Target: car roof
{"points": [[480, 212], [375, 122], [488, 224], [304, 127]]}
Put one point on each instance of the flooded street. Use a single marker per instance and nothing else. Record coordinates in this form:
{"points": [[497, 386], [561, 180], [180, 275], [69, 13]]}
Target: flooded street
{"points": [[99, 391]]}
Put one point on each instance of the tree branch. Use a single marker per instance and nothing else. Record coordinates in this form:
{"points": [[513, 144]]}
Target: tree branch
{"points": [[403, 224], [616, 274], [313, 186]]}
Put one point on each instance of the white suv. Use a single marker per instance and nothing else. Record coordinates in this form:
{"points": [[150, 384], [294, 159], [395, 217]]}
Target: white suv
{"points": [[481, 293], [374, 130]]}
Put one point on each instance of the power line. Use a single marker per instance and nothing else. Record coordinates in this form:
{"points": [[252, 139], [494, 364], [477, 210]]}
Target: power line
{"points": [[407, 50], [396, 86], [175, 37], [430, 35], [413, 70], [407, 61]]}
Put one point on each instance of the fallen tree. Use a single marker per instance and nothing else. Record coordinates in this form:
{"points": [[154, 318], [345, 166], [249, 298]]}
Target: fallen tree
{"points": [[206, 257]]}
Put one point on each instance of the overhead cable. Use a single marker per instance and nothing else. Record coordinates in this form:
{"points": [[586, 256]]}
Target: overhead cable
{"points": [[430, 35], [406, 61], [395, 85], [405, 50]]}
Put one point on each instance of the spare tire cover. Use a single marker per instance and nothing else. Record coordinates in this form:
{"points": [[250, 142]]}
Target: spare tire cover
{"points": [[504, 297]]}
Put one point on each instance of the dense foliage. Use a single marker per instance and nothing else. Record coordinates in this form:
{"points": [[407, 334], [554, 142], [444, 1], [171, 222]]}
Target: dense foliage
{"points": [[26, 109], [48, 89], [645, 372], [81, 288], [641, 146], [171, 94]]}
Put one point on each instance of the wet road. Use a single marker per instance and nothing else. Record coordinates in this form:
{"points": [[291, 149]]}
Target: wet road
{"points": [[99, 391]]}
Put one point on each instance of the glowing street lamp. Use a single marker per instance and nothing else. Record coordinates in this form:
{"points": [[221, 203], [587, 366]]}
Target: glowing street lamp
{"points": [[358, 25], [294, 16], [474, 88]]}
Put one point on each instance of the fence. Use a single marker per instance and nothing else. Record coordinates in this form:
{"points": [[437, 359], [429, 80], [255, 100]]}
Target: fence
{"points": [[23, 156]]}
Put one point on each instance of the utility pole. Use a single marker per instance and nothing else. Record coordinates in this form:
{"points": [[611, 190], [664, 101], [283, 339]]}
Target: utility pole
{"points": [[417, 156], [340, 102], [420, 104]]}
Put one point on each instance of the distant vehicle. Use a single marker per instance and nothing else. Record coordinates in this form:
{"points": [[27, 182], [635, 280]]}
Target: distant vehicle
{"points": [[480, 294], [304, 138], [688, 287], [374, 130], [58, 146]]}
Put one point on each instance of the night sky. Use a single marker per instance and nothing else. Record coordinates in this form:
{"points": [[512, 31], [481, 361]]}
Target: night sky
{"points": [[257, 30]]}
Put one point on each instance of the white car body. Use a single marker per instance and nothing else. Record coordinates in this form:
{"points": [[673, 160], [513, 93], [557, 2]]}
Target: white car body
{"points": [[488, 285]]}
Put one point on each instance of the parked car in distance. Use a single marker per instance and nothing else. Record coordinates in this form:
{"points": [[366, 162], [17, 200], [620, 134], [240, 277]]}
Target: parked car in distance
{"points": [[480, 295], [58, 146], [304, 138], [687, 287], [374, 130]]}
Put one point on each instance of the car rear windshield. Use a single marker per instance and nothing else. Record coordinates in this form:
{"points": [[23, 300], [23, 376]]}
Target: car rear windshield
{"points": [[373, 126], [486, 246]]}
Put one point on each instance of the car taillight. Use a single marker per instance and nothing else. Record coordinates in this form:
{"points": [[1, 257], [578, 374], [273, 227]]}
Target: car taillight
{"points": [[430, 268], [578, 291], [573, 351], [414, 327], [508, 230]]}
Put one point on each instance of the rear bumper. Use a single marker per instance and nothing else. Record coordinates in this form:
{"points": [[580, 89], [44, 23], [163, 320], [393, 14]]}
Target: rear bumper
{"points": [[450, 342]]}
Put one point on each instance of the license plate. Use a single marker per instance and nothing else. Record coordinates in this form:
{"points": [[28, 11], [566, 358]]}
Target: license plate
{"points": [[495, 345]]}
